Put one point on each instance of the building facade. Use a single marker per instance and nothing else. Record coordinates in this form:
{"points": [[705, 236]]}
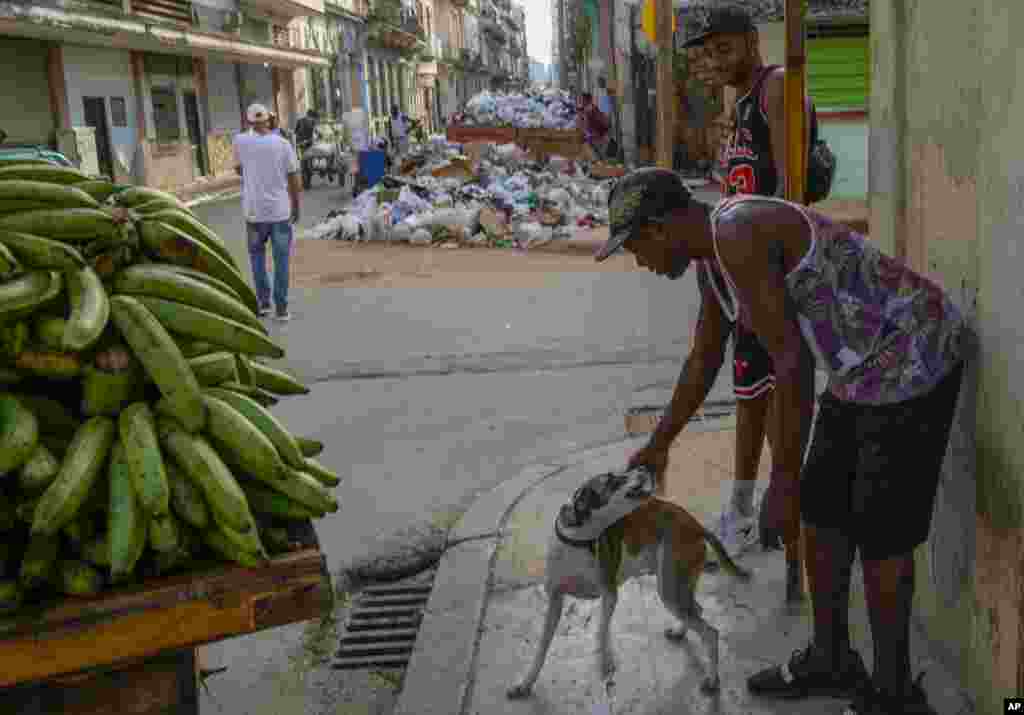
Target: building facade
{"points": [[149, 91]]}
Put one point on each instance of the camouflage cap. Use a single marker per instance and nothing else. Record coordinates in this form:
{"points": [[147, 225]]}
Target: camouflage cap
{"points": [[639, 197]]}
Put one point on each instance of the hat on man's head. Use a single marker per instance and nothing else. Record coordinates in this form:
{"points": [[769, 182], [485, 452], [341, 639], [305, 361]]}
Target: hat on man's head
{"points": [[257, 113], [728, 19], [642, 196]]}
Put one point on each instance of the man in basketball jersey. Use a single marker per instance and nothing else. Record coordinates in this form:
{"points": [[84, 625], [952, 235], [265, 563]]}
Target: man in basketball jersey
{"points": [[753, 162]]}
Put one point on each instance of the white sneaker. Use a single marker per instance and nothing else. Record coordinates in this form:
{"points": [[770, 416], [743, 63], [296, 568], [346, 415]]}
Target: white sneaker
{"points": [[737, 532]]}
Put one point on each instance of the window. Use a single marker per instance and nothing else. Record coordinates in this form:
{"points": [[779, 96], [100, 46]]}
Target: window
{"points": [[118, 112], [165, 114]]}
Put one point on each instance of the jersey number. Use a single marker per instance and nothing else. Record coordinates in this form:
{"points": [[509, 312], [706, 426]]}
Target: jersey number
{"points": [[741, 179]]}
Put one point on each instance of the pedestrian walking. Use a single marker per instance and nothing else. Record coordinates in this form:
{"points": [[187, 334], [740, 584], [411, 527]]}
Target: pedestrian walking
{"points": [[399, 131], [593, 123], [894, 346], [271, 191]]}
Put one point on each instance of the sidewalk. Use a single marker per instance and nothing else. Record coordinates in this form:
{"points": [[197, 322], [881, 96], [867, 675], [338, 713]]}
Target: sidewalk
{"points": [[485, 613]]}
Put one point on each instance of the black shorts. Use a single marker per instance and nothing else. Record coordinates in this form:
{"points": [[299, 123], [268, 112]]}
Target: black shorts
{"points": [[753, 372], [873, 470]]}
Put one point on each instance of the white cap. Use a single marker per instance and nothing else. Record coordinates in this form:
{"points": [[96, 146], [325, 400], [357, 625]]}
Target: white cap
{"points": [[257, 113]]}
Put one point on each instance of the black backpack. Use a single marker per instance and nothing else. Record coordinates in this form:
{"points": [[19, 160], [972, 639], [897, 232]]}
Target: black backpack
{"points": [[821, 165], [821, 161]]}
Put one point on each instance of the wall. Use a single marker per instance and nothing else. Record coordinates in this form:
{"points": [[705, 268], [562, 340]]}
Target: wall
{"points": [[102, 72], [946, 192], [257, 86], [25, 81], [848, 139], [223, 97]]}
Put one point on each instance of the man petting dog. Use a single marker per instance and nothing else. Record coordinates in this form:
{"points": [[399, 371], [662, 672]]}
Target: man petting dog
{"points": [[893, 345]]}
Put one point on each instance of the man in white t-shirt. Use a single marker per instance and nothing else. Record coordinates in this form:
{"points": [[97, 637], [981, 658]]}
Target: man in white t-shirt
{"points": [[270, 204]]}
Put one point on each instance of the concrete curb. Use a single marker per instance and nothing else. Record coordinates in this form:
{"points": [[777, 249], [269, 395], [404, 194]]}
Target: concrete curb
{"points": [[440, 672]]}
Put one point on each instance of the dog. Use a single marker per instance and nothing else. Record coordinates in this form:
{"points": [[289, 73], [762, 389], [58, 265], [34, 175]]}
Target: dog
{"points": [[655, 536]]}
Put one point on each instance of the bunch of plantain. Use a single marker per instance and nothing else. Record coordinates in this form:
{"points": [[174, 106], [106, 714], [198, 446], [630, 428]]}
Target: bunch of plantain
{"points": [[135, 434]]}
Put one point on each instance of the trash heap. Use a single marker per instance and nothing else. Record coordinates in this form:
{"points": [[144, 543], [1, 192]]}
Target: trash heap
{"points": [[500, 197], [134, 433], [551, 109]]}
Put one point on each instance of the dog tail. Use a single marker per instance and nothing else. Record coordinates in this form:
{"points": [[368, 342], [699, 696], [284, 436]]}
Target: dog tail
{"points": [[731, 566]]}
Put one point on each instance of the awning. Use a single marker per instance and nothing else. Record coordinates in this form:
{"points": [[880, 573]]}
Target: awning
{"points": [[134, 34]]}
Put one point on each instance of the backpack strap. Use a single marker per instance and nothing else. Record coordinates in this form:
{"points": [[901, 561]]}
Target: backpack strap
{"points": [[756, 92]]}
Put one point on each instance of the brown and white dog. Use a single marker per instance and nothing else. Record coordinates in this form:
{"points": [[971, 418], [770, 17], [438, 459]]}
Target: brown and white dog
{"points": [[658, 537]]}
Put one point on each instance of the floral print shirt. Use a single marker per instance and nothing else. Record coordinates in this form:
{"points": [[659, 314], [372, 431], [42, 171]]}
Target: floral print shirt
{"points": [[882, 332]]}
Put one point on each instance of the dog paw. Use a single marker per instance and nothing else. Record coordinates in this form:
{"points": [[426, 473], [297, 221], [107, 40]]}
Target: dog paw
{"points": [[676, 633], [710, 685], [517, 692]]}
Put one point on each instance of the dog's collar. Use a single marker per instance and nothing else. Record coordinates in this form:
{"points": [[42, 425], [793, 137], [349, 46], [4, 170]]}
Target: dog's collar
{"points": [[603, 500], [579, 543]]}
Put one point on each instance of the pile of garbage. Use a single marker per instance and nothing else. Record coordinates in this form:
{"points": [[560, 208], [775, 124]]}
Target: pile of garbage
{"points": [[498, 197], [551, 109]]}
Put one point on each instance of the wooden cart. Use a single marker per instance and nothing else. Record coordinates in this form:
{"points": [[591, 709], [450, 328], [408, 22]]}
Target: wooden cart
{"points": [[458, 134], [132, 651], [551, 142]]}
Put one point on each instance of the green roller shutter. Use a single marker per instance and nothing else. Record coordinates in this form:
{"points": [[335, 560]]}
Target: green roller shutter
{"points": [[839, 72]]}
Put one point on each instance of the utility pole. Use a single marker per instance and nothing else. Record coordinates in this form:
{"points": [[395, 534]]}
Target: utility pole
{"points": [[665, 84], [796, 124], [796, 180]]}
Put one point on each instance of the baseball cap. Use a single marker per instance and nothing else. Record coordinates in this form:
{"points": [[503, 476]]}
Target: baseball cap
{"points": [[257, 113], [641, 196], [721, 20]]}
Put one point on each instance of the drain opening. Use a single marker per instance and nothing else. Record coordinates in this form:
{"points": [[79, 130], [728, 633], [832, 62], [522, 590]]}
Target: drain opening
{"points": [[381, 629], [643, 419]]}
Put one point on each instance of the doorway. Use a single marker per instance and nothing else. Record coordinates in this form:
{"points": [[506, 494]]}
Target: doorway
{"points": [[96, 117], [195, 133]]}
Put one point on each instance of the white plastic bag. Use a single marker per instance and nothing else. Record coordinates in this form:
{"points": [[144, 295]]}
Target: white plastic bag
{"points": [[420, 237]]}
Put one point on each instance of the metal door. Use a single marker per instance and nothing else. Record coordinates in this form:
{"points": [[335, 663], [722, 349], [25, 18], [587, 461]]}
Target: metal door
{"points": [[195, 132], [96, 117]]}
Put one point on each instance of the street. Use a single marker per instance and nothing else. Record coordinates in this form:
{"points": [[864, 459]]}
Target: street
{"points": [[427, 397]]}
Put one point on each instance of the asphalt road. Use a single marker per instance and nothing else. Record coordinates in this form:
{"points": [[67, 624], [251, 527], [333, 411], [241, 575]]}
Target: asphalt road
{"points": [[427, 398]]}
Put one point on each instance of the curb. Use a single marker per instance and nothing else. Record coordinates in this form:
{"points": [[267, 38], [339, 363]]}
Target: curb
{"points": [[445, 650]]}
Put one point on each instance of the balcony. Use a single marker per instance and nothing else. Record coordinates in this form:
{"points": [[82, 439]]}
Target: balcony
{"points": [[287, 37], [360, 8], [394, 24], [450, 55], [281, 8], [177, 11]]}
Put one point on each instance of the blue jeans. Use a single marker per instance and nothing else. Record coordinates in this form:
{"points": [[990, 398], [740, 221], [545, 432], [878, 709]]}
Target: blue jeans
{"points": [[280, 235]]}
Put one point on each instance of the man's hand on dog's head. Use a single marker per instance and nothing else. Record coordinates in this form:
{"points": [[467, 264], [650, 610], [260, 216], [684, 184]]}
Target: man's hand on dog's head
{"points": [[654, 458]]}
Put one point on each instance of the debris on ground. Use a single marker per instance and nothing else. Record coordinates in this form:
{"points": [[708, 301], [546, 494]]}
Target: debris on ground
{"points": [[480, 194], [551, 109]]}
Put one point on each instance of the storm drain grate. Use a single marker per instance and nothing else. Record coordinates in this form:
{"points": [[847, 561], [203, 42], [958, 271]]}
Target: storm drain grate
{"points": [[641, 420], [383, 625]]}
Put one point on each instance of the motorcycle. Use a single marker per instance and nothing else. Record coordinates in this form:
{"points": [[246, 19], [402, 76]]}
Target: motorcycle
{"points": [[321, 158]]}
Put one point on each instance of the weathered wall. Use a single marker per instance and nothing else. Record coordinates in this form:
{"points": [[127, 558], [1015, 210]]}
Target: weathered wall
{"points": [[947, 193], [107, 73]]}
